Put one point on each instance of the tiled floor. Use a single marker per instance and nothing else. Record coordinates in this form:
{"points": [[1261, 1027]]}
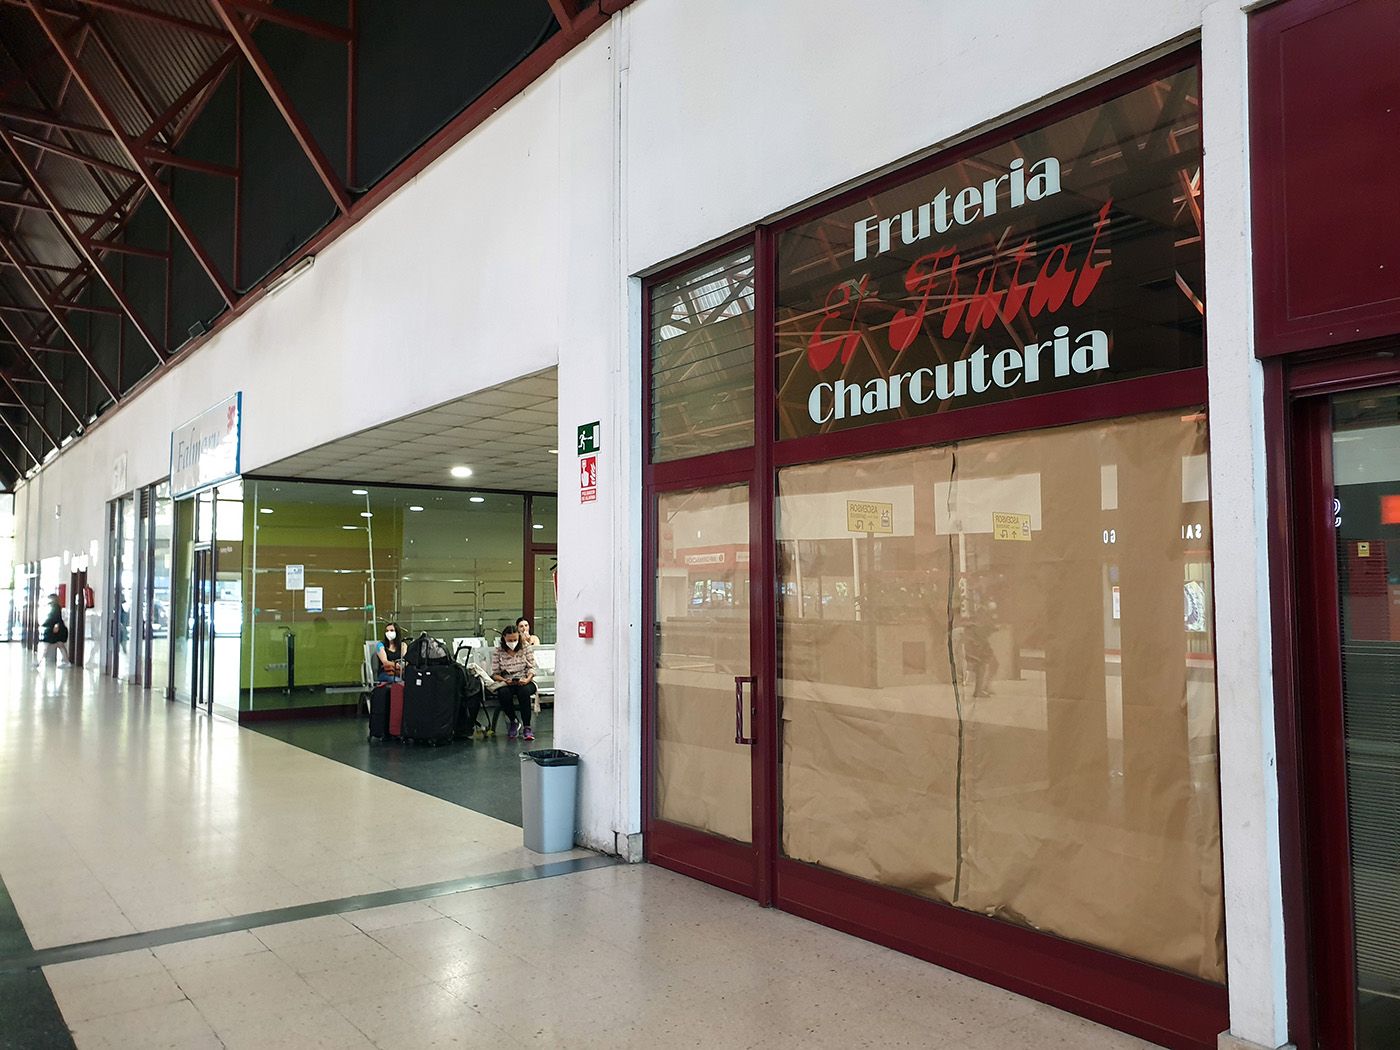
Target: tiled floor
{"points": [[118, 812]]}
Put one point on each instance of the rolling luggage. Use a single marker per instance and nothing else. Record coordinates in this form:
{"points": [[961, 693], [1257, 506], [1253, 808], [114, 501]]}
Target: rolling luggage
{"points": [[469, 697], [430, 704], [427, 651], [386, 711]]}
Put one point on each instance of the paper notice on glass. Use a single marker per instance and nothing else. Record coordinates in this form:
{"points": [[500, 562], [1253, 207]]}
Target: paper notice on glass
{"points": [[296, 577], [312, 597], [1011, 527]]}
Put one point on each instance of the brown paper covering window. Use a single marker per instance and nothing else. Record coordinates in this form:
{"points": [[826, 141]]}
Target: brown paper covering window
{"points": [[1023, 727]]}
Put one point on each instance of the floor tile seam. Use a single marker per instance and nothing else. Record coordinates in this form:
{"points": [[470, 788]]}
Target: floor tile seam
{"points": [[37, 958]]}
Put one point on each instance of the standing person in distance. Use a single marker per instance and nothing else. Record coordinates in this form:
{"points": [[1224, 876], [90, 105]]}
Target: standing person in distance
{"points": [[391, 652], [513, 665], [54, 632]]}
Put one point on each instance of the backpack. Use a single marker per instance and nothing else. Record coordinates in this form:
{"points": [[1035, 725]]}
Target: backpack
{"points": [[427, 651]]}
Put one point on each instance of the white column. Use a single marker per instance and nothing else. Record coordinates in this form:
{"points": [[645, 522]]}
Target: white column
{"points": [[1239, 512]]}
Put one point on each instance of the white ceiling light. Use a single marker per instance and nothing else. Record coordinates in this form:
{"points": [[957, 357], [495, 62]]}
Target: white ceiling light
{"points": [[461, 472], [359, 492], [539, 526], [366, 514], [349, 528], [265, 510], [554, 452], [476, 499], [414, 509]]}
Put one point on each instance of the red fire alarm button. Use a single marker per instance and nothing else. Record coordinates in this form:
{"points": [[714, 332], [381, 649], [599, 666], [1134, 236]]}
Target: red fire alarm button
{"points": [[585, 628]]}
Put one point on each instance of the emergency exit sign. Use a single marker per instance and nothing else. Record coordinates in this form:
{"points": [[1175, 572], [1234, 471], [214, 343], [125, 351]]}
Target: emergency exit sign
{"points": [[589, 437]]}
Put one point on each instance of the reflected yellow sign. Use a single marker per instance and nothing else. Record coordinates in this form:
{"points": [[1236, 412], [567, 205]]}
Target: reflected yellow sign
{"points": [[1011, 526], [865, 516]]}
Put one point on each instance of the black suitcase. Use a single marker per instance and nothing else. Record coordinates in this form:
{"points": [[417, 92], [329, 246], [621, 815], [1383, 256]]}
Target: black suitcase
{"points": [[429, 704]]}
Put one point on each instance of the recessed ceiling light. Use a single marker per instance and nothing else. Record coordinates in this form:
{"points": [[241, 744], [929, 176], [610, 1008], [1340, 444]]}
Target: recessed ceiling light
{"points": [[539, 526], [466, 539], [366, 514], [349, 528], [461, 472], [554, 452], [359, 492], [476, 499], [415, 509], [264, 510]]}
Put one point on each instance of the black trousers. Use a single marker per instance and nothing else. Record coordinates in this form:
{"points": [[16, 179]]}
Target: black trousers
{"points": [[515, 701]]}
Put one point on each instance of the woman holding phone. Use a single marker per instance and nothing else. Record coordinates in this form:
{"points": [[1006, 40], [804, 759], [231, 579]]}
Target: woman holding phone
{"points": [[513, 665]]}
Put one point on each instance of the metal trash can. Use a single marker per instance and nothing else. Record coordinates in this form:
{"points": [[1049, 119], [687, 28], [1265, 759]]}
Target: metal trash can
{"points": [[548, 797]]}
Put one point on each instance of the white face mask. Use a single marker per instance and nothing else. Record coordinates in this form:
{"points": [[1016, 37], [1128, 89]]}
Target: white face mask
{"points": [[512, 645], [391, 635]]}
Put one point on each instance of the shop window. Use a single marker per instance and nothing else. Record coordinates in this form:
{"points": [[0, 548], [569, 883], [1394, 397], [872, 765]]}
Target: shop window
{"points": [[702, 338], [996, 680]]}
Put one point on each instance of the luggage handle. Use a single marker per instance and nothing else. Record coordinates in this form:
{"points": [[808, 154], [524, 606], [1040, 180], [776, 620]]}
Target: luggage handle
{"points": [[739, 680]]}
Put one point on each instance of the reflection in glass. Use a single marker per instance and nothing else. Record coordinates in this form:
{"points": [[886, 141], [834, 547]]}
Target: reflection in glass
{"points": [[162, 528], [1366, 471], [989, 693], [702, 359], [701, 643]]}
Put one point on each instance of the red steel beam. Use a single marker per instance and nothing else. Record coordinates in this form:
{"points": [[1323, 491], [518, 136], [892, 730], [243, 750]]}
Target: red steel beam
{"points": [[565, 13], [10, 383], [125, 7], [130, 149], [79, 241], [43, 376], [49, 267], [38, 291], [22, 443], [243, 37], [39, 207], [120, 248], [51, 120], [310, 26], [161, 157], [208, 79], [72, 154]]}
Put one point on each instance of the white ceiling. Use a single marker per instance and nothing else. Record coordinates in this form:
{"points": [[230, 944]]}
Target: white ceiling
{"points": [[504, 434]]}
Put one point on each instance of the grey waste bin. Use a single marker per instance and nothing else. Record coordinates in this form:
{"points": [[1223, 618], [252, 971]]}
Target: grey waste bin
{"points": [[548, 794]]}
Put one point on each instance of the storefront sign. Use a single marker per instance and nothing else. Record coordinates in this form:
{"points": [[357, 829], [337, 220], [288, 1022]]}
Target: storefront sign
{"points": [[205, 451], [1015, 527], [588, 479], [296, 577], [590, 438], [312, 597], [866, 517], [1065, 257]]}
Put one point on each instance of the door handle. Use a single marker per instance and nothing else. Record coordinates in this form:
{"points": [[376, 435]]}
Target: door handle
{"points": [[739, 680]]}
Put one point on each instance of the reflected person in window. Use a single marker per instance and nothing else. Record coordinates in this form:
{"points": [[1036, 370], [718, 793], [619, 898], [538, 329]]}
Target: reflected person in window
{"points": [[513, 665], [526, 638], [390, 653]]}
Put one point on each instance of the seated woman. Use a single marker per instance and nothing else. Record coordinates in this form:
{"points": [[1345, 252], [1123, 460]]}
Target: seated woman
{"points": [[513, 665], [390, 653], [526, 638]]}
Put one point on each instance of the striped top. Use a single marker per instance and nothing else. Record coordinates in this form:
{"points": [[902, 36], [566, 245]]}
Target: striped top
{"points": [[508, 664]]}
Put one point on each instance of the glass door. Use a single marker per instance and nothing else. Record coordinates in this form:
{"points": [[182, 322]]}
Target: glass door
{"points": [[202, 630], [1348, 498], [702, 675]]}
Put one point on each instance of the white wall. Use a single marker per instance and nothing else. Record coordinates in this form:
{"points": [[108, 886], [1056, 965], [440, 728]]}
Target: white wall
{"points": [[674, 127]]}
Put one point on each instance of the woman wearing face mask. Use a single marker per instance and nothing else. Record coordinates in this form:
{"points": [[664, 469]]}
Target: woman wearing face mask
{"points": [[391, 652], [513, 665]]}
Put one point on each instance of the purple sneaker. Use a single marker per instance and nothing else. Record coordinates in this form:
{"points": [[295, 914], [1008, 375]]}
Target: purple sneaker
{"points": [[529, 733], [513, 730]]}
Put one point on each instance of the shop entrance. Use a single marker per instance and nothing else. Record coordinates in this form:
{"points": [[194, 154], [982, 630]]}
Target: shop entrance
{"points": [[1347, 506], [704, 679]]}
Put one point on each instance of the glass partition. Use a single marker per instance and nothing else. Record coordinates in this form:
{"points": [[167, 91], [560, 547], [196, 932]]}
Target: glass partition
{"points": [[329, 564], [996, 681], [162, 564]]}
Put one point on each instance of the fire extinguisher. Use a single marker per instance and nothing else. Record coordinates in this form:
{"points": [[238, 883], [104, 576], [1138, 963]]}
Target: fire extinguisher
{"points": [[88, 600], [63, 595]]}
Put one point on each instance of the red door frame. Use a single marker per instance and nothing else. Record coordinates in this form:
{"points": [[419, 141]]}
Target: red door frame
{"points": [[1137, 997], [1314, 839]]}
